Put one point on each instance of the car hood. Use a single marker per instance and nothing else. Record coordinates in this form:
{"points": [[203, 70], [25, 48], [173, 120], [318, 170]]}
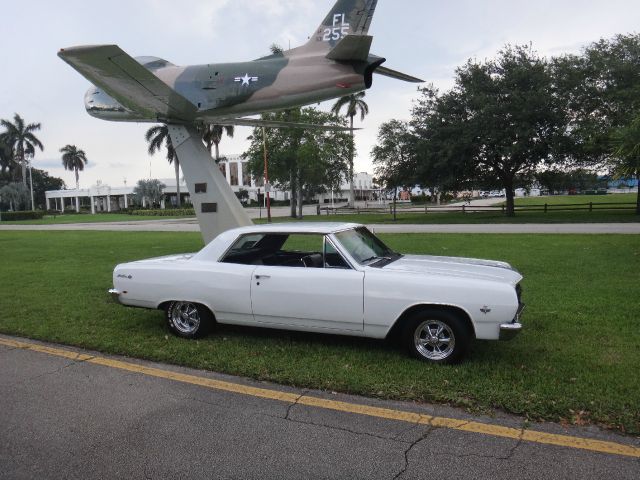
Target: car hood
{"points": [[456, 266]]}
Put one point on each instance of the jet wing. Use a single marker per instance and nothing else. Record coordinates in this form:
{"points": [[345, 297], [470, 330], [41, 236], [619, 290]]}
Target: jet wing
{"points": [[387, 72], [123, 78], [257, 122]]}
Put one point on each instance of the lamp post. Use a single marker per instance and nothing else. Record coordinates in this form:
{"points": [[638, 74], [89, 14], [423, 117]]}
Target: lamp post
{"points": [[267, 187], [29, 157]]}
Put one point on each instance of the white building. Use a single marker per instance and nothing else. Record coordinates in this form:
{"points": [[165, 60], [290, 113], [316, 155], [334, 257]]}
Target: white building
{"points": [[105, 198]]}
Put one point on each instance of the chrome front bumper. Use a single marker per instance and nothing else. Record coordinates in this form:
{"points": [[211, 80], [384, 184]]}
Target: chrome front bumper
{"points": [[509, 330], [513, 328]]}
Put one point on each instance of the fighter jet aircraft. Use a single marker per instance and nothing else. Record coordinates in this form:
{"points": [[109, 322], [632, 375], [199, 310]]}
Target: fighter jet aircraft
{"points": [[334, 62]]}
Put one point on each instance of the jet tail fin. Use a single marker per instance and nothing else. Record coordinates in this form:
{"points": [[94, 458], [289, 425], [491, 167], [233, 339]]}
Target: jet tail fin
{"points": [[347, 17]]}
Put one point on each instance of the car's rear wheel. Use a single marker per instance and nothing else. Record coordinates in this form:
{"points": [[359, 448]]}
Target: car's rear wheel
{"points": [[188, 319], [437, 336]]}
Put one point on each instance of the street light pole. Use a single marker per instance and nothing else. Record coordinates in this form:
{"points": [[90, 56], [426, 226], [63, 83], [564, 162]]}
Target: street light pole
{"points": [[30, 159]]}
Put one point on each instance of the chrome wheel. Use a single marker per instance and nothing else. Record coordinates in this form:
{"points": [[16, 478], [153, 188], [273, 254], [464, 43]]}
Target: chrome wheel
{"points": [[185, 317], [434, 340]]}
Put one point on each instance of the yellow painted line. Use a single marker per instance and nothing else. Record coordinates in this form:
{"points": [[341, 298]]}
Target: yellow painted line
{"points": [[378, 412]]}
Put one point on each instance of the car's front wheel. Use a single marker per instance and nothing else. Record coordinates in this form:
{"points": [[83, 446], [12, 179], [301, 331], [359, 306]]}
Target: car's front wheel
{"points": [[188, 319], [438, 336]]}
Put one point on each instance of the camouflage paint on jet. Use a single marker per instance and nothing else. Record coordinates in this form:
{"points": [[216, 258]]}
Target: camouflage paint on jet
{"points": [[334, 62]]}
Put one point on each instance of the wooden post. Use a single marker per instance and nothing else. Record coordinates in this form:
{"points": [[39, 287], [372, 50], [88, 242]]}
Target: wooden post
{"points": [[591, 206], [545, 208]]}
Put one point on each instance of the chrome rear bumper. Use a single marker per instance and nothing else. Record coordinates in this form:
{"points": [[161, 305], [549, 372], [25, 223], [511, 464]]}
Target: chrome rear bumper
{"points": [[115, 294]]}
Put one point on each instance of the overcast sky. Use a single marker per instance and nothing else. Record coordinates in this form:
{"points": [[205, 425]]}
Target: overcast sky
{"points": [[426, 38]]}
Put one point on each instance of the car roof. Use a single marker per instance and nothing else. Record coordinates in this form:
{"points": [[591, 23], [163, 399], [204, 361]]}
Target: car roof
{"points": [[221, 243], [323, 228]]}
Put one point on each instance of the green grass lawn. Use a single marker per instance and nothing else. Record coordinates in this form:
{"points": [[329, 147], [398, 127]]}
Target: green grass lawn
{"points": [[577, 358], [602, 216], [87, 218], [571, 199]]}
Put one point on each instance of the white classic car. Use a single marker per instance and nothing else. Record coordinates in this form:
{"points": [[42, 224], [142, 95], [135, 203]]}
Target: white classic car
{"points": [[334, 278]]}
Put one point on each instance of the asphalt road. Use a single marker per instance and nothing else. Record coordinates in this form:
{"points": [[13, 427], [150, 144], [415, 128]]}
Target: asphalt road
{"points": [[86, 416]]}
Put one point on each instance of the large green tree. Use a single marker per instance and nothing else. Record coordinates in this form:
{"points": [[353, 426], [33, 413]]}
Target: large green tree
{"points": [[15, 195], [626, 154], [354, 104], [20, 137], [150, 191], [500, 122], [42, 182], [156, 137], [393, 157], [74, 160], [600, 90], [301, 160], [444, 145]]}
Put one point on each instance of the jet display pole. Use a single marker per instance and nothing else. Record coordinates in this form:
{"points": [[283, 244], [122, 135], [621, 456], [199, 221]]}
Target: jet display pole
{"points": [[267, 188]]}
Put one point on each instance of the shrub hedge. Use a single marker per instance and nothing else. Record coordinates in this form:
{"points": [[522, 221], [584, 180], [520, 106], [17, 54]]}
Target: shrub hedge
{"points": [[175, 212], [26, 215]]}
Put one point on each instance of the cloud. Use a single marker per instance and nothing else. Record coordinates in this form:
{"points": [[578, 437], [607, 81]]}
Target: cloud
{"points": [[427, 38]]}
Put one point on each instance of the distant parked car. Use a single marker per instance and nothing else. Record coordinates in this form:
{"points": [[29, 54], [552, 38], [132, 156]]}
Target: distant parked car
{"points": [[328, 278]]}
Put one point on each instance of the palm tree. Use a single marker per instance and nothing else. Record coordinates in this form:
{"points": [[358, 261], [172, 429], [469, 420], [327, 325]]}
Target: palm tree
{"points": [[20, 138], [212, 136], [355, 104], [74, 160], [156, 136]]}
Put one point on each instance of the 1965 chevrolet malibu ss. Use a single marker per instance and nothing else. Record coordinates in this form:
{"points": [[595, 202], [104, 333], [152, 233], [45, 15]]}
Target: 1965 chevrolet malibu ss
{"points": [[334, 278]]}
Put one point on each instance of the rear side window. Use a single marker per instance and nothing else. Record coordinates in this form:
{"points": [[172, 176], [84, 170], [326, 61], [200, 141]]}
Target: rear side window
{"points": [[303, 243]]}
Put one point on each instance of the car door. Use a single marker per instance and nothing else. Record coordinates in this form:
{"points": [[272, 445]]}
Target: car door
{"points": [[306, 297]]}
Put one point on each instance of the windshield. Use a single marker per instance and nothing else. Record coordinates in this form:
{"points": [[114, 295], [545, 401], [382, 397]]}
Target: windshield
{"points": [[364, 246]]}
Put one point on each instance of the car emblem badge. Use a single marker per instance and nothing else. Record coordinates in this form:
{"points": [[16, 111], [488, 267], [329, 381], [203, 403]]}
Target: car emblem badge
{"points": [[485, 309]]}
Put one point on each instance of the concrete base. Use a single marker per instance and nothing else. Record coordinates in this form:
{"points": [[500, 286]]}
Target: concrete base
{"points": [[217, 207]]}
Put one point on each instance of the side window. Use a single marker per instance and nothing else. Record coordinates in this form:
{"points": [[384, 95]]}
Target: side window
{"points": [[248, 241], [303, 243], [303, 250], [332, 258]]}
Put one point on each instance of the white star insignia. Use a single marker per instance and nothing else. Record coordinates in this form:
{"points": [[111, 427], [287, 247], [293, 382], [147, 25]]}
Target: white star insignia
{"points": [[246, 80]]}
